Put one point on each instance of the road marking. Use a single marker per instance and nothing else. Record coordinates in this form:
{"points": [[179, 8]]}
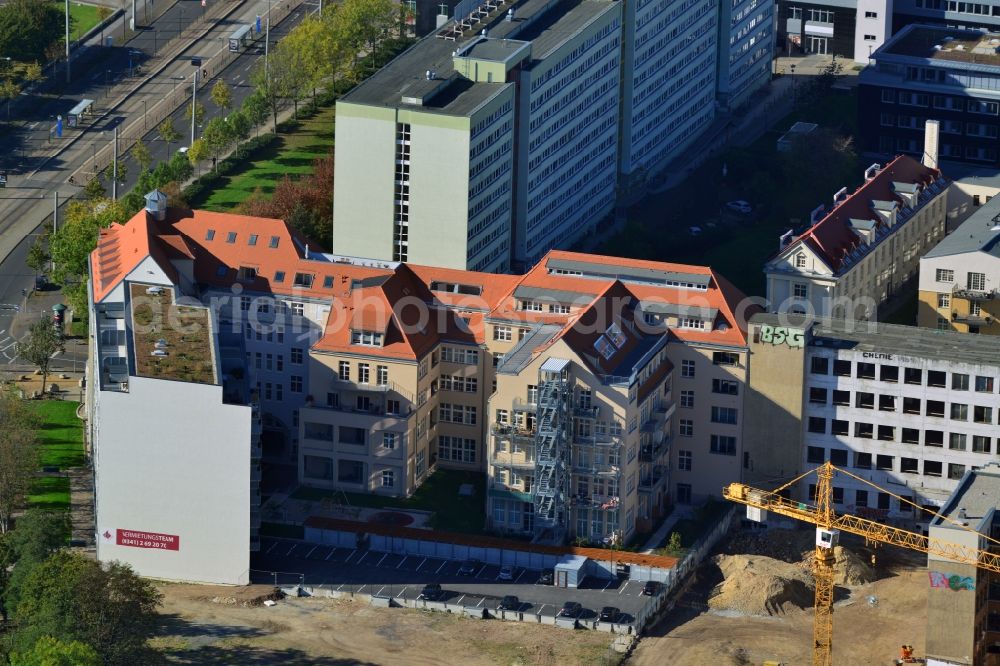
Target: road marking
{"points": [[363, 556], [460, 599], [379, 593], [421, 564], [311, 551], [443, 564], [624, 587], [480, 602], [401, 561], [478, 575], [348, 558], [291, 549], [402, 591], [610, 580], [379, 563], [271, 548], [330, 554], [519, 575]]}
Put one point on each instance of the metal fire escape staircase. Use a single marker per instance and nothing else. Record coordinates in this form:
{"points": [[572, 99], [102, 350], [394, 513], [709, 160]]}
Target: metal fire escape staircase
{"points": [[552, 451]]}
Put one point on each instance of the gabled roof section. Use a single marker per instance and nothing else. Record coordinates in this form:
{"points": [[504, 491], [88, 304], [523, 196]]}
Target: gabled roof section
{"points": [[833, 237], [122, 247]]}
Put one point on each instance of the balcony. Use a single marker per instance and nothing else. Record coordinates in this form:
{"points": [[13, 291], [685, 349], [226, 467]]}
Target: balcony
{"points": [[521, 405], [508, 430], [598, 439], [338, 384], [587, 412], [974, 294], [517, 462], [603, 502], [972, 320], [652, 481]]}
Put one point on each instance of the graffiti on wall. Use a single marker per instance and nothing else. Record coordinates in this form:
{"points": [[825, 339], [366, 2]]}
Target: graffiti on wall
{"points": [[951, 581]]}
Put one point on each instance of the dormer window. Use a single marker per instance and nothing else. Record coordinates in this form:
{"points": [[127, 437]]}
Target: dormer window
{"points": [[303, 280], [274, 242], [246, 274], [616, 335], [800, 260], [367, 338], [604, 347], [252, 240], [231, 237], [531, 306], [210, 234]]}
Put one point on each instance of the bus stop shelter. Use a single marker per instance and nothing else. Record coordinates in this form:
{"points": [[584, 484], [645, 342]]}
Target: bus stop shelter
{"points": [[77, 113]]}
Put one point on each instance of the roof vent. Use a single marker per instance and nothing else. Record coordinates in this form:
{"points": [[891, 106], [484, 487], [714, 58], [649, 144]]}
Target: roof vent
{"points": [[483, 33], [961, 513], [156, 205], [510, 14]]}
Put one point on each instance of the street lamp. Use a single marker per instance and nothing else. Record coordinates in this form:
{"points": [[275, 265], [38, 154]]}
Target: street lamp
{"points": [[267, 42], [67, 41]]}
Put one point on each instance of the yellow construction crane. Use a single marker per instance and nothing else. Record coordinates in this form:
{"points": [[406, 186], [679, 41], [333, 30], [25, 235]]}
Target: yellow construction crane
{"points": [[828, 526]]}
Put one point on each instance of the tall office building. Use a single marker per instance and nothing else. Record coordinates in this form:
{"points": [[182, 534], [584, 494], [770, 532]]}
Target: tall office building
{"points": [[514, 128]]}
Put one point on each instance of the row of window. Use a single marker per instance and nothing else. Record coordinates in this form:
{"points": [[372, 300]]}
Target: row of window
{"points": [[363, 375], [821, 365], [973, 281], [867, 461], [718, 358], [888, 403], [935, 438]]}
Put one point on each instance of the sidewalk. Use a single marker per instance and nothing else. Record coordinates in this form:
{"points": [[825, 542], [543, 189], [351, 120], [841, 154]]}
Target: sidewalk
{"points": [[680, 512]]}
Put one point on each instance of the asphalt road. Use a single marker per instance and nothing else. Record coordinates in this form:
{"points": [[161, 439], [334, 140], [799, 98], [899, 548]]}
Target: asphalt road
{"points": [[387, 574]]}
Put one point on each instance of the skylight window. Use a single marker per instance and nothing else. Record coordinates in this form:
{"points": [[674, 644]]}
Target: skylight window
{"points": [[252, 240], [231, 237], [604, 347], [279, 276], [210, 234], [274, 242], [303, 280], [616, 335]]}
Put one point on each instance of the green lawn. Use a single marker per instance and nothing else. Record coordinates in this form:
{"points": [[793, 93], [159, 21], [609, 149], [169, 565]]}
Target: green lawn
{"points": [[82, 18], [78, 329], [50, 493], [292, 154], [782, 195], [439, 493], [60, 435]]}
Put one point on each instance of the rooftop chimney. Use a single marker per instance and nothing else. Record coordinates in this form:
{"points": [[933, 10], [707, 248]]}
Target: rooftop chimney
{"points": [[931, 144]]}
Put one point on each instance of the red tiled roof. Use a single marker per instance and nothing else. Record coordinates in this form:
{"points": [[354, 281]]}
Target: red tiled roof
{"points": [[832, 238]]}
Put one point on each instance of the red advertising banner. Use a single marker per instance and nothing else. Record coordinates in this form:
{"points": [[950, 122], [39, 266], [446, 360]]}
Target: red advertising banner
{"points": [[148, 540]]}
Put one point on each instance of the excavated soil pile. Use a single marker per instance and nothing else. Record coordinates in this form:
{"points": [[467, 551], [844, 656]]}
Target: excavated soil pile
{"points": [[849, 569], [756, 585]]}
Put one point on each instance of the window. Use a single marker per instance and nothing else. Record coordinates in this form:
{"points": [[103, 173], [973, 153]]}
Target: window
{"points": [[815, 454], [935, 408], [724, 415], [460, 355], [279, 276], [866, 371], [817, 425], [817, 396], [231, 237], [936, 379], [820, 365], [842, 398], [318, 431], [382, 375], [684, 459], [687, 369], [887, 403], [955, 471], [800, 260], [389, 440], [800, 290], [933, 438], [388, 478], [959, 382], [838, 495], [366, 338], [932, 468], [457, 449], [984, 384], [863, 460], [839, 427], [861, 498], [944, 300], [982, 414], [889, 373], [317, 467], [944, 275], [687, 399], [252, 240], [864, 400], [295, 384], [327, 281], [297, 355], [303, 280], [502, 333], [887, 433], [911, 405], [351, 471], [870, 38], [956, 441], [393, 407], [913, 376], [909, 465], [353, 436], [723, 445], [465, 414], [273, 243], [686, 428], [871, 15], [888, 96], [976, 281], [838, 457], [864, 430], [910, 436], [842, 368], [725, 358], [980, 444], [906, 503], [210, 234], [344, 370], [725, 386]]}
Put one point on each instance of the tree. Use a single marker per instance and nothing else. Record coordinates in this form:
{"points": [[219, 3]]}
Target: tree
{"points": [[9, 91], [43, 341], [37, 535], [33, 72], [38, 256], [198, 152], [141, 154], [49, 651], [168, 133], [361, 25], [181, 167], [94, 188], [255, 108], [222, 95], [240, 125], [199, 113], [72, 244], [18, 456], [269, 84], [28, 28], [674, 545], [218, 136], [107, 607], [117, 172]]}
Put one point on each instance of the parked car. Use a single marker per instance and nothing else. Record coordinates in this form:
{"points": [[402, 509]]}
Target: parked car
{"points": [[509, 602], [506, 573], [469, 567], [651, 588], [570, 609], [739, 206], [431, 592], [610, 614], [546, 577]]}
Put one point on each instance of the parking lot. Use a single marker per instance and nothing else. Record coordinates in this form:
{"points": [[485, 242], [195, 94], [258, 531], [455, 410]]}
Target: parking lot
{"points": [[401, 576]]}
